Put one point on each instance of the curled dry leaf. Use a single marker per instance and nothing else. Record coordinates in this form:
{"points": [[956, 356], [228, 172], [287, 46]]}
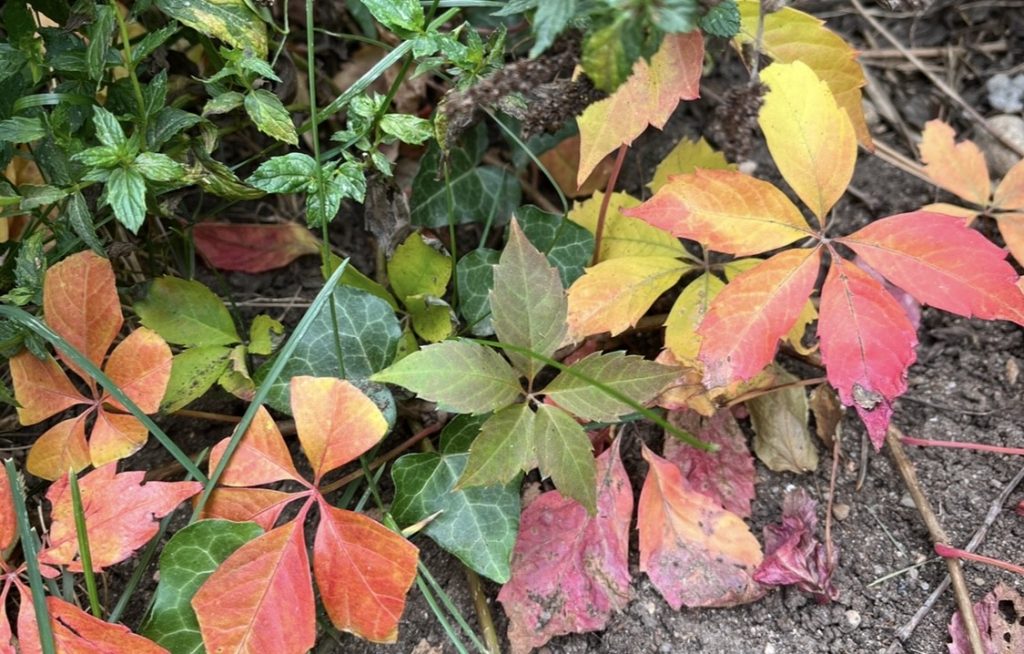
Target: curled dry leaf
{"points": [[253, 248], [793, 556]]}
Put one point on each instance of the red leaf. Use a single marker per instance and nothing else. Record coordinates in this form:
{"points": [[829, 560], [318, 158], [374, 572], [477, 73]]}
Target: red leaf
{"points": [[260, 600], [121, 515], [695, 552], [911, 306], [792, 553], [570, 570], [253, 248], [867, 344], [261, 457], [140, 365], [943, 263], [725, 476], [8, 518], [745, 321], [363, 571], [260, 505], [1000, 617]]}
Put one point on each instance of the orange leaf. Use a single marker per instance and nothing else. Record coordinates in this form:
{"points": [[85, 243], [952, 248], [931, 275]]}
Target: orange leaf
{"points": [[41, 388], [726, 211], [121, 515], [80, 303], [648, 97], [260, 600], [867, 344], [8, 519], [1009, 194], [140, 365], [260, 505], [942, 262], [810, 138], [952, 210], [61, 447], [115, 436], [959, 168], [363, 571], [253, 248], [261, 457], [77, 632], [695, 552], [1011, 226], [335, 421], [744, 323]]}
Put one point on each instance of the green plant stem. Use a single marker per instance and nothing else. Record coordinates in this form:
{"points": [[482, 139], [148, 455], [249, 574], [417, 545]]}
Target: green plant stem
{"points": [[533, 158], [609, 188], [924, 442], [483, 611], [947, 552], [126, 47], [687, 438], [84, 553], [28, 548], [452, 245]]}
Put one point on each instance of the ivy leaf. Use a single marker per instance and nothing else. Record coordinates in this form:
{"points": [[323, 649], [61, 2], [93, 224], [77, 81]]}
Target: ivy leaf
{"points": [[270, 116], [567, 246], [186, 312], [125, 192], [633, 376], [188, 558], [685, 316], [475, 275], [284, 174]]}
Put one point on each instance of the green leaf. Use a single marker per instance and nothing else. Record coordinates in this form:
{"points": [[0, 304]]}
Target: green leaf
{"points": [[29, 270], [397, 14], [609, 53], [327, 190], [479, 193], [148, 44], [193, 372], [458, 435], [218, 179], [782, 440], [189, 557], [264, 332], [477, 524], [101, 156], [460, 376], [12, 61], [167, 124], [475, 275], [76, 212], [231, 21], [528, 303], [568, 246], [677, 16], [34, 196], [158, 167], [503, 449], [270, 116], [126, 194], [22, 129], [630, 375], [565, 454], [108, 130], [407, 128], [284, 174], [100, 33], [185, 312], [223, 103], [722, 19], [417, 268], [352, 277], [551, 19]]}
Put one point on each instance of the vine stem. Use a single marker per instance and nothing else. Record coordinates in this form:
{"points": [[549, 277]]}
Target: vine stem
{"points": [[938, 535], [947, 552], [925, 442], [613, 178], [384, 458]]}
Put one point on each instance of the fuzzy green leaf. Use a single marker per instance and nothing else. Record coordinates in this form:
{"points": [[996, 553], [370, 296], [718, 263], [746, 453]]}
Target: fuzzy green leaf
{"points": [[284, 174], [125, 192], [632, 376], [186, 312], [270, 116]]}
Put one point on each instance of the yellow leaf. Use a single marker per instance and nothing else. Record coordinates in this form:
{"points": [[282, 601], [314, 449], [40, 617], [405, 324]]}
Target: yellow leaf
{"points": [[614, 294], [810, 138], [952, 210], [681, 326], [686, 157], [791, 35], [623, 236], [959, 168]]}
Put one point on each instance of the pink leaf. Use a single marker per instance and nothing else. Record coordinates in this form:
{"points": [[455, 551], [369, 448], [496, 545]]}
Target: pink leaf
{"points": [[1000, 617], [253, 248]]}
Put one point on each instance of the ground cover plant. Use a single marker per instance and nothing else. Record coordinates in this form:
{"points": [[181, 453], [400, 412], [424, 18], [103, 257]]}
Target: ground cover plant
{"points": [[498, 313]]}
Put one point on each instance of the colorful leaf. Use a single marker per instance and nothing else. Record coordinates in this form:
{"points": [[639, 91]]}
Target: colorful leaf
{"points": [[186, 312], [570, 568], [742, 328], [782, 441], [528, 305], [1000, 618], [793, 555], [633, 376], [1011, 227], [685, 316], [623, 236], [260, 505], [959, 168], [809, 136], [363, 571], [943, 263], [686, 158], [121, 515], [725, 210], [61, 447], [867, 344], [41, 388], [808, 314], [77, 632], [261, 457], [253, 248], [725, 476], [1009, 194], [648, 97], [695, 552], [140, 365], [8, 517], [115, 436], [563, 161]]}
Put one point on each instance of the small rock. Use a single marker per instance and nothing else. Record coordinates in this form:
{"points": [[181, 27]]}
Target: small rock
{"points": [[853, 618], [907, 501], [979, 581], [841, 511], [1012, 371], [769, 649], [1000, 157], [1006, 93]]}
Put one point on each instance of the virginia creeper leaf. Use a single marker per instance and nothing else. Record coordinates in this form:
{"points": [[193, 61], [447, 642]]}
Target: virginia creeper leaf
{"points": [[186, 312], [687, 157], [503, 448], [793, 555], [959, 168], [782, 441], [685, 316], [564, 454], [623, 236], [75, 631], [260, 505], [41, 388], [569, 567], [253, 248], [1009, 194], [633, 376], [695, 552], [1000, 618], [140, 365]]}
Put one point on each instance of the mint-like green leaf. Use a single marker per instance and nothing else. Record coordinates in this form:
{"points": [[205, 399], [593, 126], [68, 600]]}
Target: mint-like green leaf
{"points": [[326, 191], [186, 312], [397, 14], [77, 214], [158, 167], [633, 376], [231, 21], [193, 372], [108, 130], [564, 453], [284, 174], [568, 246], [125, 192], [22, 129], [722, 19], [189, 557], [503, 449], [477, 524], [407, 128], [168, 123], [528, 303], [100, 33], [12, 61], [475, 275], [459, 375], [551, 18], [34, 196], [100, 156], [223, 103], [270, 116]]}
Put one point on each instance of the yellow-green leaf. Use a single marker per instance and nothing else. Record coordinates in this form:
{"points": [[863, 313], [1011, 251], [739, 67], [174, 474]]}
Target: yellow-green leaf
{"points": [[624, 236], [686, 157], [681, 335], [231, 21]]}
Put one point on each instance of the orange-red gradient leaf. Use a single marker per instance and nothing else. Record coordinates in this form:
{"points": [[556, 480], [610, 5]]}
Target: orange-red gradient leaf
{"points": [[80, 303], [61, 447], [867, 344], [260, 600], [809, 136], [1009, 195], [253, 248], [648, 97], [959, 168], [115, 436], [41, 388], [335, 421], [121, 515], [943, 263], [363, 571], [725, 210], [77, 632], [8, 519], [744, 323], [140, 365], [695, 552], [262, 456], [260, 505]]}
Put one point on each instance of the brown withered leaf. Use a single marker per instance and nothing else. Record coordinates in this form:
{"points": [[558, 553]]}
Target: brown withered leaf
{"points": [[828, 414], [782, 440]]}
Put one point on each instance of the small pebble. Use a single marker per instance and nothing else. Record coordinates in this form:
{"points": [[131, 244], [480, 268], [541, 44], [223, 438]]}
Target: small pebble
{"points": [[979, 581], [1000, 157], [907, 501], [841, 511], [769, 649], [1012, 371], [853, 618]]}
